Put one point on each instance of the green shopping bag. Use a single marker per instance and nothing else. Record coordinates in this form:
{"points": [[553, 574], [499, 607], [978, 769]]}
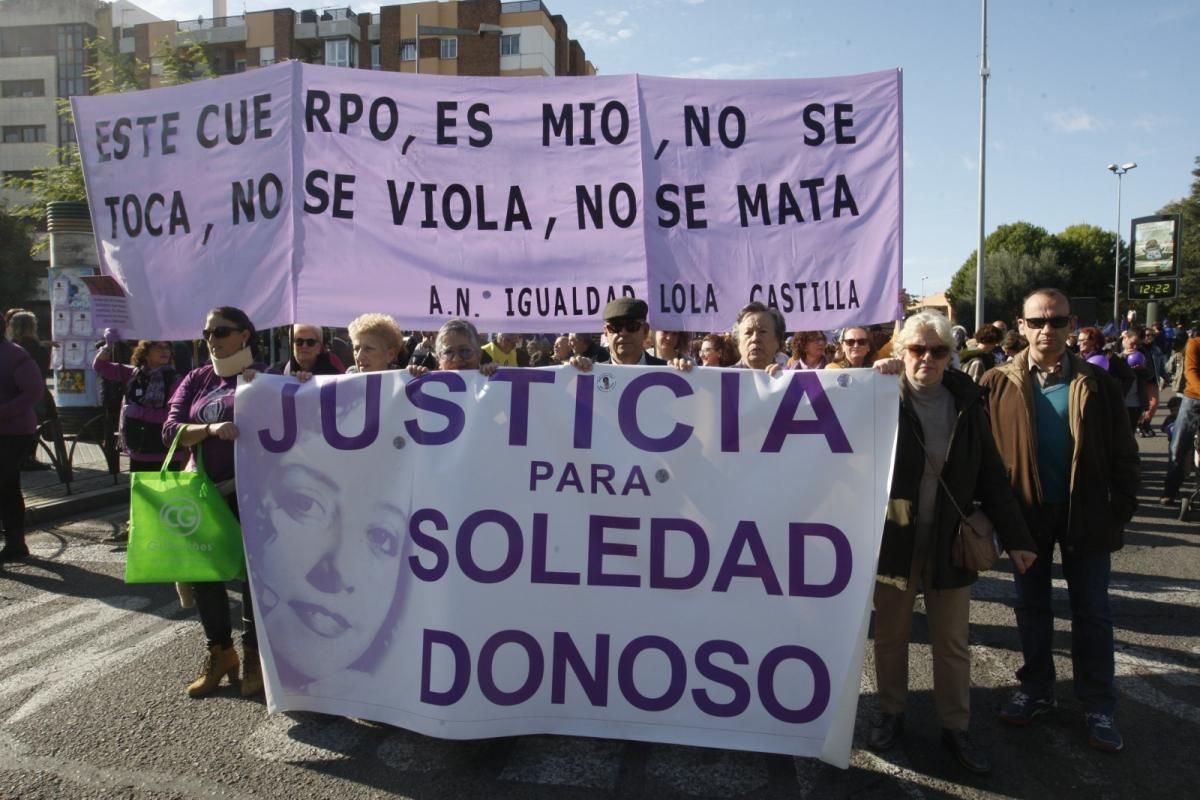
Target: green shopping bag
{"points": [[181, 530]]}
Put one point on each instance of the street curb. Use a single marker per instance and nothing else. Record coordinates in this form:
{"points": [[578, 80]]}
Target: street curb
{"points": [[76, 504]]}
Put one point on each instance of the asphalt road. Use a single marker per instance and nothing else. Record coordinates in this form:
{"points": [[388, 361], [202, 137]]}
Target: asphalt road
{"points": [[92, 674]]}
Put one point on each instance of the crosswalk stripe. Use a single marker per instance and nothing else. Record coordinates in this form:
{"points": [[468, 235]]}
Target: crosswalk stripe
{"points": [[32, 642], [56, 678]]}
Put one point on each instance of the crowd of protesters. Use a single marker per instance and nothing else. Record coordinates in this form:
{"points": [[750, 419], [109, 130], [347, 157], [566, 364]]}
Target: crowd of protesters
{"points": [[966, 437]]}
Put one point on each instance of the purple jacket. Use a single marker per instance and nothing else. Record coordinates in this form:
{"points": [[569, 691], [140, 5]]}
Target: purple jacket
{"points": [[123, 374], [21, 386], [202, 397]]}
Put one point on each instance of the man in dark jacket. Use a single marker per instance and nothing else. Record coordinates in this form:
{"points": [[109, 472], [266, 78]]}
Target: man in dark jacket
{"points": [[308, 354], [625, 324], [1062, 432]]}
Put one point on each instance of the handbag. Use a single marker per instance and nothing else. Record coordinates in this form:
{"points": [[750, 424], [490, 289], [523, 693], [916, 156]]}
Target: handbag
{"points": [[975, 546], [180, 528]]}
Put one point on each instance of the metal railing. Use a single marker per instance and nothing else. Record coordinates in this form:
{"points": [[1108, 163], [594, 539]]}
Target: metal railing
{"points": [[523, 5], [202, 24]]}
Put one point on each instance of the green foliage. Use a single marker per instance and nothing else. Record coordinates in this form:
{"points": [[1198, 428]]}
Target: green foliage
{"points": [[1187, 305], [183, 64], [111, 72], [18, 271], [1023, 256]]}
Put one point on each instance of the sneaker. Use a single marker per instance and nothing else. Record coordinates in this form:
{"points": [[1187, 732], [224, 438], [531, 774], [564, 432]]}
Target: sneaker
{"points": [[1022, 708], [1103, 733]]}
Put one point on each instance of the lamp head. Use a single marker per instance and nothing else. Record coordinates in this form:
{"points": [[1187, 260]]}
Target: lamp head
{"points": [[1129, 166]]}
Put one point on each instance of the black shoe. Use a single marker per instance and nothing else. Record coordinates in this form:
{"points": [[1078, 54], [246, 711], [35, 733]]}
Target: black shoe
{"points": [[13, 553], [885, 731], [33, 465], [966, 752]]}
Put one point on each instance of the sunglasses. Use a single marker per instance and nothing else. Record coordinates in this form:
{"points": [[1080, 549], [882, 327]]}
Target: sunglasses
{"points": [[937, 351], [629, 326], [307, 342], [856, 342], [461, 354], [220, 332], [1037, 323]]}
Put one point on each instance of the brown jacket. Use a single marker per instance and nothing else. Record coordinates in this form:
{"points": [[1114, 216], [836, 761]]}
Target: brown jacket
{"points": [[1104, 465], [1191, 368]]}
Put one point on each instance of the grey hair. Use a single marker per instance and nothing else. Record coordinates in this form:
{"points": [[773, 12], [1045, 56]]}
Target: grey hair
{"points": [[460, 326], [761, 308], [925, 320]]}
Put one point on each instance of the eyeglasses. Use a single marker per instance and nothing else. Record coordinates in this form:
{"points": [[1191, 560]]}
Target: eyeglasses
{"points": [[939, 351], [628, 326], [856, 342], [306, 342], [1037, 323], [220, 332], [461, 354]]}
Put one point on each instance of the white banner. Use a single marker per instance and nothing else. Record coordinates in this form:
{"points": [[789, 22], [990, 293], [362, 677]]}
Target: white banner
{"points": [[634, 553]]}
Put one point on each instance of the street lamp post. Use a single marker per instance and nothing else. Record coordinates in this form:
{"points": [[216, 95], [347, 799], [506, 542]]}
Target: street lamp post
{"points": [[1118, 171], [923, 279]]}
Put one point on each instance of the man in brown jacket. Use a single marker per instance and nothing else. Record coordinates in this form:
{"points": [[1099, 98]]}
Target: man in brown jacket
{"points": [[1063, 435]]}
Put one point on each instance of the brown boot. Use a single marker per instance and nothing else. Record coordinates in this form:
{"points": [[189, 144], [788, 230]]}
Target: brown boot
{"points": [[252, 679], [220, 662]]}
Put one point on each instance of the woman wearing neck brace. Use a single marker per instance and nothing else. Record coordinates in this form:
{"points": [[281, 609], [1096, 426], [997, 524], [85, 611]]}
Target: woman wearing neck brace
{"points": [[202, 407]]}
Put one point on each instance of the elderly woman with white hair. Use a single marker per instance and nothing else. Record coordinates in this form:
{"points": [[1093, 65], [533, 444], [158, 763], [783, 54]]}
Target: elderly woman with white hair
{"points": [[946, 460]]}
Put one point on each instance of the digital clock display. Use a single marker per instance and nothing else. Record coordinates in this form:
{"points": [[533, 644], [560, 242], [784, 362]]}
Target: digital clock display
{"points": [[1148, 290]]}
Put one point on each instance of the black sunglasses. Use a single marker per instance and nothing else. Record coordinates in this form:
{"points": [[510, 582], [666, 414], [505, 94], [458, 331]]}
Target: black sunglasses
{"points": [[302, 342], [937, 351], [221, 331], [627, 326], [1037, 323], [856, 342]]}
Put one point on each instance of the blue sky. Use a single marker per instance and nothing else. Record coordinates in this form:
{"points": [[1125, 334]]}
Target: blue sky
{"points": [[1075, 86]]}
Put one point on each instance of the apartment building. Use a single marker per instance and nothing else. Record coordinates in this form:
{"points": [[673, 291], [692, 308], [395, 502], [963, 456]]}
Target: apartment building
{"points": [[42, 54], [462, 37]]}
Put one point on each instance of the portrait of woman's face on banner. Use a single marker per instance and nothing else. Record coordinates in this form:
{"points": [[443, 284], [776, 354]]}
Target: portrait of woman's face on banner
{"points": [[325, 547]]}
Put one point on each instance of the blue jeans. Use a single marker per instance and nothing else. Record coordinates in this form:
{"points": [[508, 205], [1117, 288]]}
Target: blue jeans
{"points": [[1182, 441], [1087, 577]]}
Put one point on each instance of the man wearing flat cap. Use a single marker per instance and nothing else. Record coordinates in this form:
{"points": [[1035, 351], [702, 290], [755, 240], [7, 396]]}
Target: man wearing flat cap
{"points": [[625, 323]]}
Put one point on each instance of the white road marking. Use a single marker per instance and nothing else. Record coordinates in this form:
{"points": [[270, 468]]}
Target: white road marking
{"points": [[79, 553], [303, 736], [18, 608], [15, 757], [99, 616], [565, 761], [56, 678]]}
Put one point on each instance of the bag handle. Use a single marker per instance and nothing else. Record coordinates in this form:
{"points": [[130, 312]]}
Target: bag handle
{"points": [[945, 488], [171, 453]]}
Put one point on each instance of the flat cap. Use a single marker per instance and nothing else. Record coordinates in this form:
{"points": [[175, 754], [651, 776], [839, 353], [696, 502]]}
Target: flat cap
{"points": [[626, 308]]}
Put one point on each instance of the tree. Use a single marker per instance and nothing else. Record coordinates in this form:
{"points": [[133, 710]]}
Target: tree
{"points": [[19, 273], [1081, 257], [111, 73], [1017, 239], [1187, 305]]}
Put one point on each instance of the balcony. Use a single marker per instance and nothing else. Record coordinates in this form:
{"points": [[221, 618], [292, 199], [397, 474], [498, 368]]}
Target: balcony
{"points": [[220, 30], [325, 24]]}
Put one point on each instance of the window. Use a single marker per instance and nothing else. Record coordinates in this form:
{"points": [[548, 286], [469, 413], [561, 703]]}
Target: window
{"points": [[510, 45], [23, 88], [339, 53], [24, 134], [375, 56], [408, 50], [449, 48], [266, 56]]}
